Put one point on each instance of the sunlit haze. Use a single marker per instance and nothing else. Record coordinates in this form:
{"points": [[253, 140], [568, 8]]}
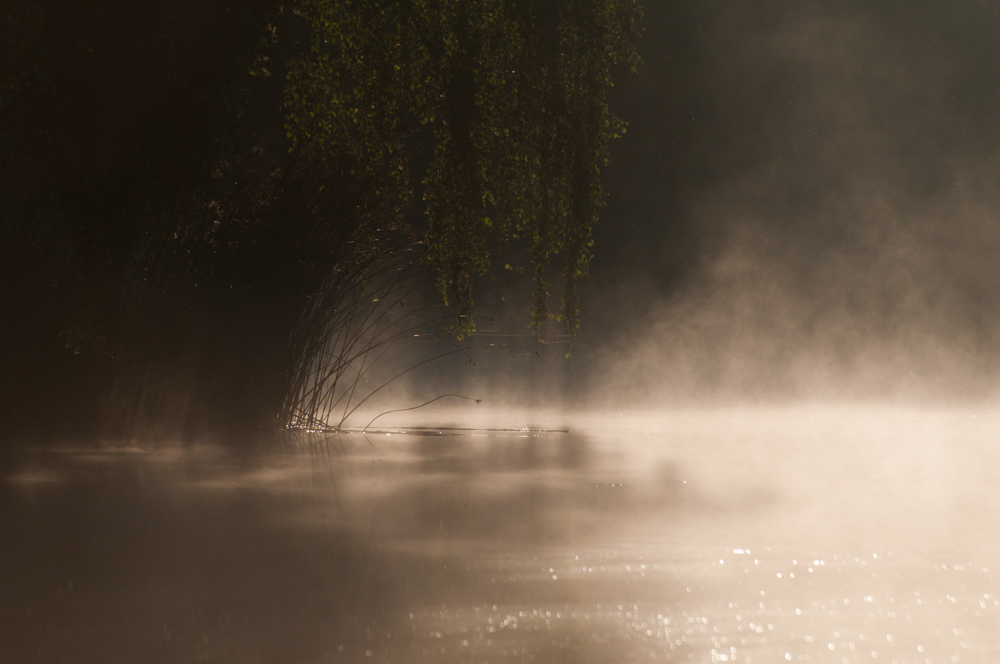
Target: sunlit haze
{"points": [[342, 332]]}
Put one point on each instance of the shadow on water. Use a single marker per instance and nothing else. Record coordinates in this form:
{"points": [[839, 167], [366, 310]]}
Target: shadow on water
{"points": [[436, 548], [535, 487], [113, 561]]}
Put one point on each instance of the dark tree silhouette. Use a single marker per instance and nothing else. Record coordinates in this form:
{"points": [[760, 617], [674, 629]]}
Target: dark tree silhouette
{"points": [[179, 179], [514, 96]]}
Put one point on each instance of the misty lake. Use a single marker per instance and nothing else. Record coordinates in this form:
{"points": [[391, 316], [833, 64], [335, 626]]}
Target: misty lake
{"points": [[753, 535]]}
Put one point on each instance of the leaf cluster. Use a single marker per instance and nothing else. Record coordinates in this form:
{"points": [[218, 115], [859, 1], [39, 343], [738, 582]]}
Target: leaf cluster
{"points": [[513, 95]]}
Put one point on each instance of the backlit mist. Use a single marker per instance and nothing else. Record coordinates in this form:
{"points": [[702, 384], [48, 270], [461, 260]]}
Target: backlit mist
{"points": [[242, 425]]}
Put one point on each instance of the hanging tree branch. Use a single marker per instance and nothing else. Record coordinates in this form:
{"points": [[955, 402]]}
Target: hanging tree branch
{"points": [[514, 94]]}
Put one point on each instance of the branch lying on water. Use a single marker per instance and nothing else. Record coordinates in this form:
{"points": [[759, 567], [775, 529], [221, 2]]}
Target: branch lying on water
{"points": [[400, 410]]}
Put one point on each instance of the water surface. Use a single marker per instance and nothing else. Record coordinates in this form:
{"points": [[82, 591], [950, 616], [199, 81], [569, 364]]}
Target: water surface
{"points": [[821, 535]]}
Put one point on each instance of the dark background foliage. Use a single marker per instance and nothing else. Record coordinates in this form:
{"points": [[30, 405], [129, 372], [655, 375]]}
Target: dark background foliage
{"points": [[121, 123], [167, 209]]}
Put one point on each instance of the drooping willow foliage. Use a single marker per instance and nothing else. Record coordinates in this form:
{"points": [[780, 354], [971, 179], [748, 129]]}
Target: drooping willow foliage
{"points": [[512, 95]]}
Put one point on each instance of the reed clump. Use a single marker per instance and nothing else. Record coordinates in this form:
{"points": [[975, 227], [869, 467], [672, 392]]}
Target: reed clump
{"points": [[343, 346]]}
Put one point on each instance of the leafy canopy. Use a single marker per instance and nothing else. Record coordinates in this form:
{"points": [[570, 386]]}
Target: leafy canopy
{"points": [[514, 94]]}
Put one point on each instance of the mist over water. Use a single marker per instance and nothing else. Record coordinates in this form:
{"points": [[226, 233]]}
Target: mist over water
{"points": [[775, 441], [816, 217], [754, 535]]}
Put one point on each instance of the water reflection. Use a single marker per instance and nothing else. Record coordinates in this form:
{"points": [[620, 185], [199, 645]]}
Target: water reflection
{"points": [[746, 537]]}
